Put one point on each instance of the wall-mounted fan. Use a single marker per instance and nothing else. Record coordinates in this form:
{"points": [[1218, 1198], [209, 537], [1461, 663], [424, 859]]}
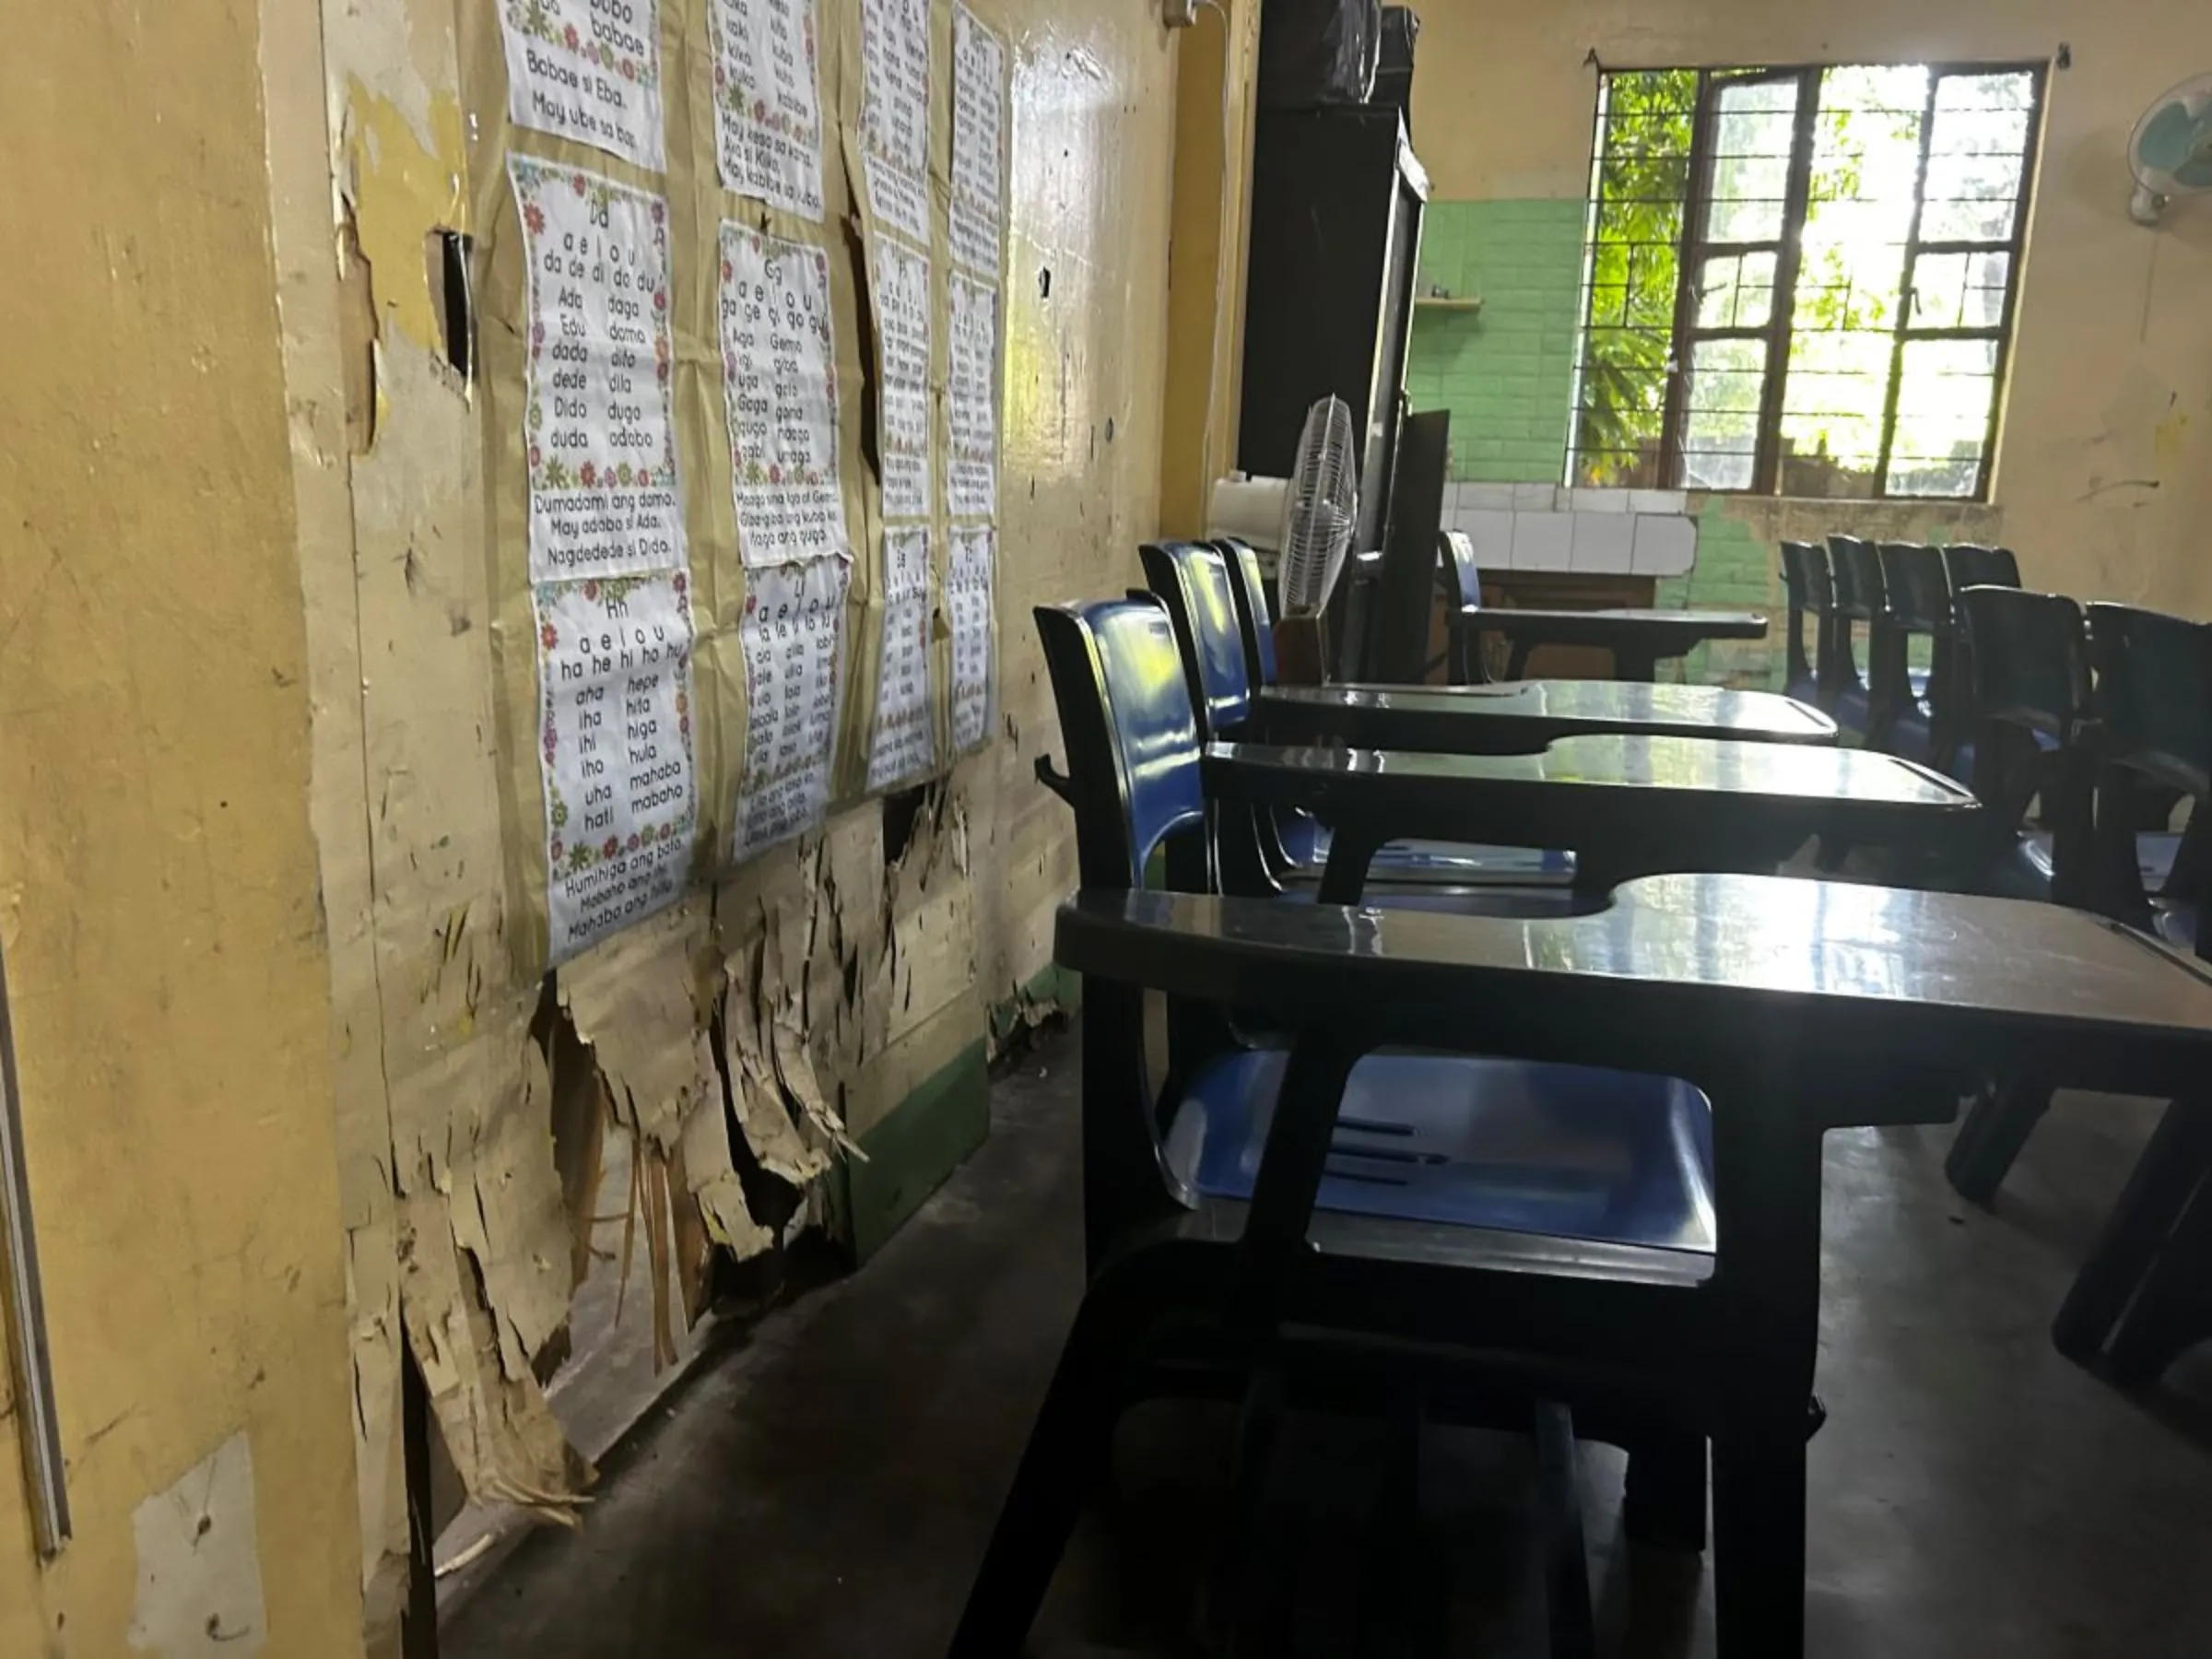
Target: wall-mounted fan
{"points": [[2170, 149]]}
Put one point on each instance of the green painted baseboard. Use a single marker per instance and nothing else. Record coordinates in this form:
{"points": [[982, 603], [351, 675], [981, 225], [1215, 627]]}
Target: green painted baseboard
{"points": [[910, 1153], [1051, 986], [931, 1133]]}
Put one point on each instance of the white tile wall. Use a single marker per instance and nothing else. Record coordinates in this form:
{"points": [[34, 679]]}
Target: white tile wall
{"points": [[1543, 541], [1492, 534], [1602, 542], [1665, 544]]}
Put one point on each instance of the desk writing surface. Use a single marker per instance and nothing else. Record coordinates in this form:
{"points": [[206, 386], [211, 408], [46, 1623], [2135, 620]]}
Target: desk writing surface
{"points": [[1630, 762], [1943, 957], [1631, 704]]}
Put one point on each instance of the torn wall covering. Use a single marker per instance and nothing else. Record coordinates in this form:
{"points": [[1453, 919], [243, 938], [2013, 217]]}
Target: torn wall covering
{"points": [[752, 1015]]}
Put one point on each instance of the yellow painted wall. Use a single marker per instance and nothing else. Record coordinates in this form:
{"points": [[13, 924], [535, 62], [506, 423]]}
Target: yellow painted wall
{"points": [[2104, 472], [157, 876]]}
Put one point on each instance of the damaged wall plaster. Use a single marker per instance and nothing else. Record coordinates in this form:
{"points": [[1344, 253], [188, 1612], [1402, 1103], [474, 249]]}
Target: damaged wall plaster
{"points": [[199, 1562], [743, 1037]]}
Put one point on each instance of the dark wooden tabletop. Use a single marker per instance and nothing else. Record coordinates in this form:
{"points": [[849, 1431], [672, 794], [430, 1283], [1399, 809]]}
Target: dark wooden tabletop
{"points": [[1681, 968], [1602, 627], [1521, 716], [1624, 806]]}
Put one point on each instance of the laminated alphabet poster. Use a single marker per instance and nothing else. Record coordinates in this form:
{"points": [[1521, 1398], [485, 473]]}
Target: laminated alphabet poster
{"points": [[968, 592], [978, 123], [598, 439], [894, 114], [792, 635], [779, 379], [904, 745], [901, 295], [588, 70], [972, 400], [614, 748], [768, 103]]}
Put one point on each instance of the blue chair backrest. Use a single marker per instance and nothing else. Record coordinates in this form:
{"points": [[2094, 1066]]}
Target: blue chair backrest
{"points": [[1970, 566], [1857, 570], [2030, 660], [1132, 739], [1468, 574], [1253, 618], [1805, 577], [1194, 581], [1919, 591], [2154, 693]]}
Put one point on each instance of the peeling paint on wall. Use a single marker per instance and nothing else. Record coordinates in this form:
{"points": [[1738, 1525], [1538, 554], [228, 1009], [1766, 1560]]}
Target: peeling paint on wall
{"points": [[199, 1562]]}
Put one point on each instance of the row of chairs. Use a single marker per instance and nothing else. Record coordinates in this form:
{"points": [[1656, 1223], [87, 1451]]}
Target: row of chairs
{"points": [[1895, 591], [2104, 716]]}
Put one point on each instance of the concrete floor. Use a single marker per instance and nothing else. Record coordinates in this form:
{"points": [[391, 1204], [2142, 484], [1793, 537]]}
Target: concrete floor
{"points": [[822, 1487]]}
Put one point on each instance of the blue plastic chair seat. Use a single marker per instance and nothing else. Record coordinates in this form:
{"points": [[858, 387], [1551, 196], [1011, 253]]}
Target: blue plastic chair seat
{"points": [[1306, 842], [2024, 870], [1564, 1152], [2175, 924], [1853, 710]]}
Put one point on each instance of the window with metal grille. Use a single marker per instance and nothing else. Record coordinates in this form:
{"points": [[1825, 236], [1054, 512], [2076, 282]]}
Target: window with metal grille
{"points": [[1802, 281]]}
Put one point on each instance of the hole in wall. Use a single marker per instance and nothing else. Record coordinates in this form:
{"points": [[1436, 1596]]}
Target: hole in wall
{"points": [[445, 258], [901, 811]]}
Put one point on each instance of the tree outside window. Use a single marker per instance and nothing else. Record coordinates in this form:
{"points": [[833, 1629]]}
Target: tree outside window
{"points": [[1802, 281]]}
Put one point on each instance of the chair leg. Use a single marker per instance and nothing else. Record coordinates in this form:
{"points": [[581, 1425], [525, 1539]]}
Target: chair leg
{"points": [[2171, 1167], [1233, 1586], [1662, 1503], [2173, 1311], [1067, 1446], [1572, 1624], [1997, 1127], [1759, 1527]]}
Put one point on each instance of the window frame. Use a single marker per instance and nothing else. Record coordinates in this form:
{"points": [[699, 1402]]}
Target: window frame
{"points": [[1694, 248]]}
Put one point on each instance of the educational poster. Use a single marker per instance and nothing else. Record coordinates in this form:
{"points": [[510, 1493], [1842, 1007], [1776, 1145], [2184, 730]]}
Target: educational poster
{"points": [[979, 119], [615, 747], [968, 590], [901, 295], [904, 745], [792, 638], [768, 117], [972, 400], [588, 70], [901, 298], [780, 387], [598, 439], [894, 114]]}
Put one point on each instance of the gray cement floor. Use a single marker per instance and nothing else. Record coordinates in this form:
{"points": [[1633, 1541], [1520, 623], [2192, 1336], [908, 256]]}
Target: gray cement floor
{"points": [[822, 1486]]}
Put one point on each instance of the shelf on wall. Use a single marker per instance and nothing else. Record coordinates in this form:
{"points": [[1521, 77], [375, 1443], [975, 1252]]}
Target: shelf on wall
{"points": [[1446, 302]]}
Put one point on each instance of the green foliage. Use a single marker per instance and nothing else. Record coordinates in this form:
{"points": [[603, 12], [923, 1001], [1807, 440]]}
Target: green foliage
{"points": [[1635, 269]]}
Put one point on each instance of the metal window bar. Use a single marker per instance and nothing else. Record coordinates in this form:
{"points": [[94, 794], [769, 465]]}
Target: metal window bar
{"points": [[1693, 252]]}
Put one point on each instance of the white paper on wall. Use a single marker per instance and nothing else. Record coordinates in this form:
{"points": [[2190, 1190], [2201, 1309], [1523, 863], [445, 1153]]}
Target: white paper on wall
{"points": [[779, 379], [599, 444], [588, 70], [978, 123], [894, 113], [793, 636], [614, 659], [967, 596], [901, 289], [971, 399], [904, 744], [768, 103]]}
